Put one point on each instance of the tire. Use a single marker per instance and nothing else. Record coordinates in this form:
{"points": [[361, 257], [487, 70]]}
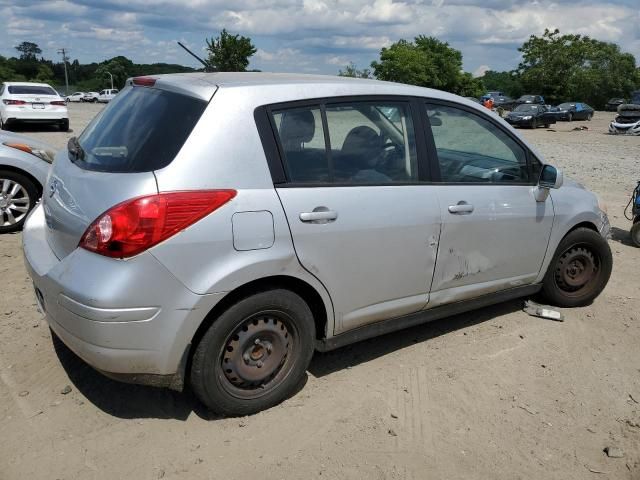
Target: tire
{"points": [[589, 117], [579, 270], [276, 326], [635, 234], [547, 125], [64, 126], [569, 117], [14, 211]]}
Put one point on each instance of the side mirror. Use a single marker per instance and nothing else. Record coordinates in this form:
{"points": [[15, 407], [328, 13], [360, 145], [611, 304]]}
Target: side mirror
{"points": [[550, 177]]}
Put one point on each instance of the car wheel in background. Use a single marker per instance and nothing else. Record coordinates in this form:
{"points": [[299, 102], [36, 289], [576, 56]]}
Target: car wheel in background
{"points": [[255, 354], [547, 125], [18, 196], [569, 117], [589, 117], [580, 269]]}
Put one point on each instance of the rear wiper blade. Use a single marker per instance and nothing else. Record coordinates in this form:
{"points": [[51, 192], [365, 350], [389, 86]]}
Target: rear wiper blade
{"points": [[75, 150]]}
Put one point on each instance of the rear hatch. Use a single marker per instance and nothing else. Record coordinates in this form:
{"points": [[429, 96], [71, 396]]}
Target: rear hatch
{"points": [[113, 160]]}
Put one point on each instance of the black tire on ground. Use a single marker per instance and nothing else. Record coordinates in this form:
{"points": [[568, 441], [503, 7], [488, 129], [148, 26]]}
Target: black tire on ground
{"points": [[255, 354], [64, 125], [4, 125], [635, 234], [27, 201], [579, 270], [547, 125], [569, 117], [589, 117]]}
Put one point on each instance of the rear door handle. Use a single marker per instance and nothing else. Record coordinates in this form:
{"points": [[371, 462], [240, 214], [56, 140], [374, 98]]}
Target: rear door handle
{"points": [[319, 215], [462, 208]]}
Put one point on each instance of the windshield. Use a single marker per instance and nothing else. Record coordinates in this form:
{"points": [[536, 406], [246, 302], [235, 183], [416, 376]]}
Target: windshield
{"points": [[526, 108], [566, 106], [528, 97], [31, 90], [142, 129]]}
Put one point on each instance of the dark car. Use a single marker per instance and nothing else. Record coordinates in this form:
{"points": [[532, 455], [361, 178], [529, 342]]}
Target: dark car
{"points": [[613, 104], [504, 102], [530, 99], [530, 115], [573, 111]]}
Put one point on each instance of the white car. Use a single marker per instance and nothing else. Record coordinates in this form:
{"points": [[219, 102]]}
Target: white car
{"points": [[90, 97], [75, 97], [107, 95], [32, 103]]}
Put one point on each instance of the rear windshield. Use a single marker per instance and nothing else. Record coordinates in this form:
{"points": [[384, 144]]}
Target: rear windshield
{"points": [[142, 129], [31, 90]]}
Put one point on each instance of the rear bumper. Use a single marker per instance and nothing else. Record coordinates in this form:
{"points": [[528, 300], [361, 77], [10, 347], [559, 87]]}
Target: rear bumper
{"points": [[29, 114], [131, 319]]}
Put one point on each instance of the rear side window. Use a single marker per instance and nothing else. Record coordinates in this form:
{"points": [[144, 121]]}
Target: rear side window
{"points": [[364, 143], [142, 129], [31, 90]]}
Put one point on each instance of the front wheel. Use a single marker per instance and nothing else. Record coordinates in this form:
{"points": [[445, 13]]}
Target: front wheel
{"points": [[255, 354], [18, 196], [580, 269], [569, 117]]}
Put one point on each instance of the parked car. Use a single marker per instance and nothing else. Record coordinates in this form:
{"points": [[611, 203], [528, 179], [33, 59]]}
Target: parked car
{"points": [[627, 121], [31, 103], [233, 235], [536, 99], [90, 97], [613, 104], [107, 95], [570, 111], [24, 165], [504, 102], [75, 97], [530, 115]]}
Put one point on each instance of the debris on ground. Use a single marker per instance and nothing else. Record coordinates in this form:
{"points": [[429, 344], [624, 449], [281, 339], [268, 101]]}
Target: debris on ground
{"points": [[66, 390], [392, 432], [23, 393], [542, 311], [593, 470], [613, 452], [579, 129], [528, 409], [632, 399]]}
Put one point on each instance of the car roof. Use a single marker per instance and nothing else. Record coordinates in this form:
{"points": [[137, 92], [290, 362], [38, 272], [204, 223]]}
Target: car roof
{"points": [[204, 85], [32, 84]]}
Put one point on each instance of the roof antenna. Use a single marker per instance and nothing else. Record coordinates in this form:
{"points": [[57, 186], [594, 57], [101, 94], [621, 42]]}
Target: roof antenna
{"points": [[207, 66]]}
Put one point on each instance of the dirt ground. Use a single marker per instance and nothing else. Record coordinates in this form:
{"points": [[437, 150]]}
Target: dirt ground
{"points": [[494, 394]]}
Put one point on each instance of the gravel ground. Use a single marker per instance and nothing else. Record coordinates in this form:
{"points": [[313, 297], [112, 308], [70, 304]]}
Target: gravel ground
{"points": [[491, 394]]}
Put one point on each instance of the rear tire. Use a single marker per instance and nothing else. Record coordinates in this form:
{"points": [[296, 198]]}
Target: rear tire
{"points": [[579, 270], [635, 234], [589, 117], [255, 354], [64, 126], [18, 196]]}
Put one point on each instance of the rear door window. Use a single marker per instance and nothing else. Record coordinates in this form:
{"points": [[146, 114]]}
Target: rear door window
{"points": [[364, 143], [140, 130]]}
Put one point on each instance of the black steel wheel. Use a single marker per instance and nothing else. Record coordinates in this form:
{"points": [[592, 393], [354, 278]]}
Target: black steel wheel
{"points": [[579, 270], [255, 354]]}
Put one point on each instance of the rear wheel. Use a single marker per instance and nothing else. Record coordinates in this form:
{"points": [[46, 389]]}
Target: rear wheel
{"points": [[580, 269], [18, 196], [635, 234], [589, 117], [255, 354], [64, 125]]}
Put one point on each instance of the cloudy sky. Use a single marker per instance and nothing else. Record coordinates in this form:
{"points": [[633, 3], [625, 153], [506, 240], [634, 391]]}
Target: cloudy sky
{"points": [[315, 36]]}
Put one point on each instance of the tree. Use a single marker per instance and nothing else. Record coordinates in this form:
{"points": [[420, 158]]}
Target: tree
{"points": [[351, 70], [28, 51], [427, 62], [230, 53], [576, 67], [507, 82], [119, 67]]}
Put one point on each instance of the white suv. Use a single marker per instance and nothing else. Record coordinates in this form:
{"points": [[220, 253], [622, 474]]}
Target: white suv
{"points": [[33, 103], [107, 95]]}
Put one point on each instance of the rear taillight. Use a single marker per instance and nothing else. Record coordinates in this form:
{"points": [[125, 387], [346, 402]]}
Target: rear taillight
{"points": [[14, 102], [136, 225], [58, 102]]}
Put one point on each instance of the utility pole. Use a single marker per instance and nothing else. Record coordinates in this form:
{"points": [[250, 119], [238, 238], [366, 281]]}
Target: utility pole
{"points": [[64, 51], [109, 73]]}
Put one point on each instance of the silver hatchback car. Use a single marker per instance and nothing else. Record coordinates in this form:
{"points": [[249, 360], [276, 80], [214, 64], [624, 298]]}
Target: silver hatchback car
{"points": [[216, 229]]}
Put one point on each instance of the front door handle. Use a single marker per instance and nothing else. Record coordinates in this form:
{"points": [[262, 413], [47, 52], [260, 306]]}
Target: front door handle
{"points": [[319, 215], [462, 208]]}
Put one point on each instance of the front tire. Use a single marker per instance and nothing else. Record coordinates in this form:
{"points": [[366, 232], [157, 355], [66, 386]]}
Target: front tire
{"points": [[579, 271], [18, 196], [569, 117], [255, 354]]}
